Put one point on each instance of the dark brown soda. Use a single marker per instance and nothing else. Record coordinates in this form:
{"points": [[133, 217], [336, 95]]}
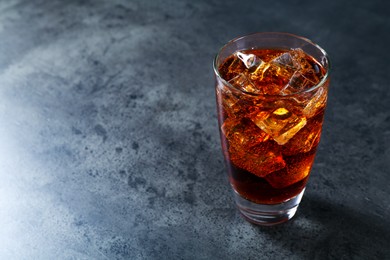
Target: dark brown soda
{"points": [[275, 183]]}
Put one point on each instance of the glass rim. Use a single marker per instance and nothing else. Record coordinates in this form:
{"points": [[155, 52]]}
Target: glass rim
{"points": [[319, 84]]}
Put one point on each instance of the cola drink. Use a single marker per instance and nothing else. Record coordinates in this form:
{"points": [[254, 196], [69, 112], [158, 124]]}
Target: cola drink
{"points": [[271, 104], [270, 142]]}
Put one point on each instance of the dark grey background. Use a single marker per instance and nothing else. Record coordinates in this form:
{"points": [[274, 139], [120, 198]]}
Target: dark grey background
{"points": [[109, 145]]}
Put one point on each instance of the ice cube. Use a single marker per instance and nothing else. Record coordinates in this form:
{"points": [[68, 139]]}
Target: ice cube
{"points": [[287, 60], [259, 160], [296, 170], [300, 57], [284, 66], [228, 99], [281, 124], [243, 133], [306, 72], [270, 77], [235, 104], [243, 83], [298, 82], [308, 67], [249, 60], [235, 67], [306, 139], [227, 96], [316, 103]]}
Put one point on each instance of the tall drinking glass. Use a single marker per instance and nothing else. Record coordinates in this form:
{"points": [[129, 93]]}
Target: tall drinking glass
{"points": [[271, 91]]}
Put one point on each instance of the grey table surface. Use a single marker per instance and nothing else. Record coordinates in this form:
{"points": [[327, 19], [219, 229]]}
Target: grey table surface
{"points": [[109, 140]]}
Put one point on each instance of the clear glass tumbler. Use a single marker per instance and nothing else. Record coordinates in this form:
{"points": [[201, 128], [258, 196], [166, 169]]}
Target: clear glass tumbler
{"points": [[271, 91]]}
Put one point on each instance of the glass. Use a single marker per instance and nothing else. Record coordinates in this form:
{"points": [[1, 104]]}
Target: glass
{"points": [[271, 91]]}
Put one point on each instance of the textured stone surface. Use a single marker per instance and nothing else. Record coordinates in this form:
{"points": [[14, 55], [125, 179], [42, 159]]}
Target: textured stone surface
{"points": [[109, 140]]}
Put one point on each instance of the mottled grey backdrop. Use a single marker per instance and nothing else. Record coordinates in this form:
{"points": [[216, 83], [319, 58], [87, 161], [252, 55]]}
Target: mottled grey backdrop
{"points": [[109, 145]]}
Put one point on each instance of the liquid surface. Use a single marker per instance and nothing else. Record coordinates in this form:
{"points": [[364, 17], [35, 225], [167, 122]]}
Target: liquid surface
{"points": [[269, 132]]}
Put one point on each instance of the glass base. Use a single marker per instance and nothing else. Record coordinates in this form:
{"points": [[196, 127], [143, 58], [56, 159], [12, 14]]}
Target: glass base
{"points": [[268, 215]]}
